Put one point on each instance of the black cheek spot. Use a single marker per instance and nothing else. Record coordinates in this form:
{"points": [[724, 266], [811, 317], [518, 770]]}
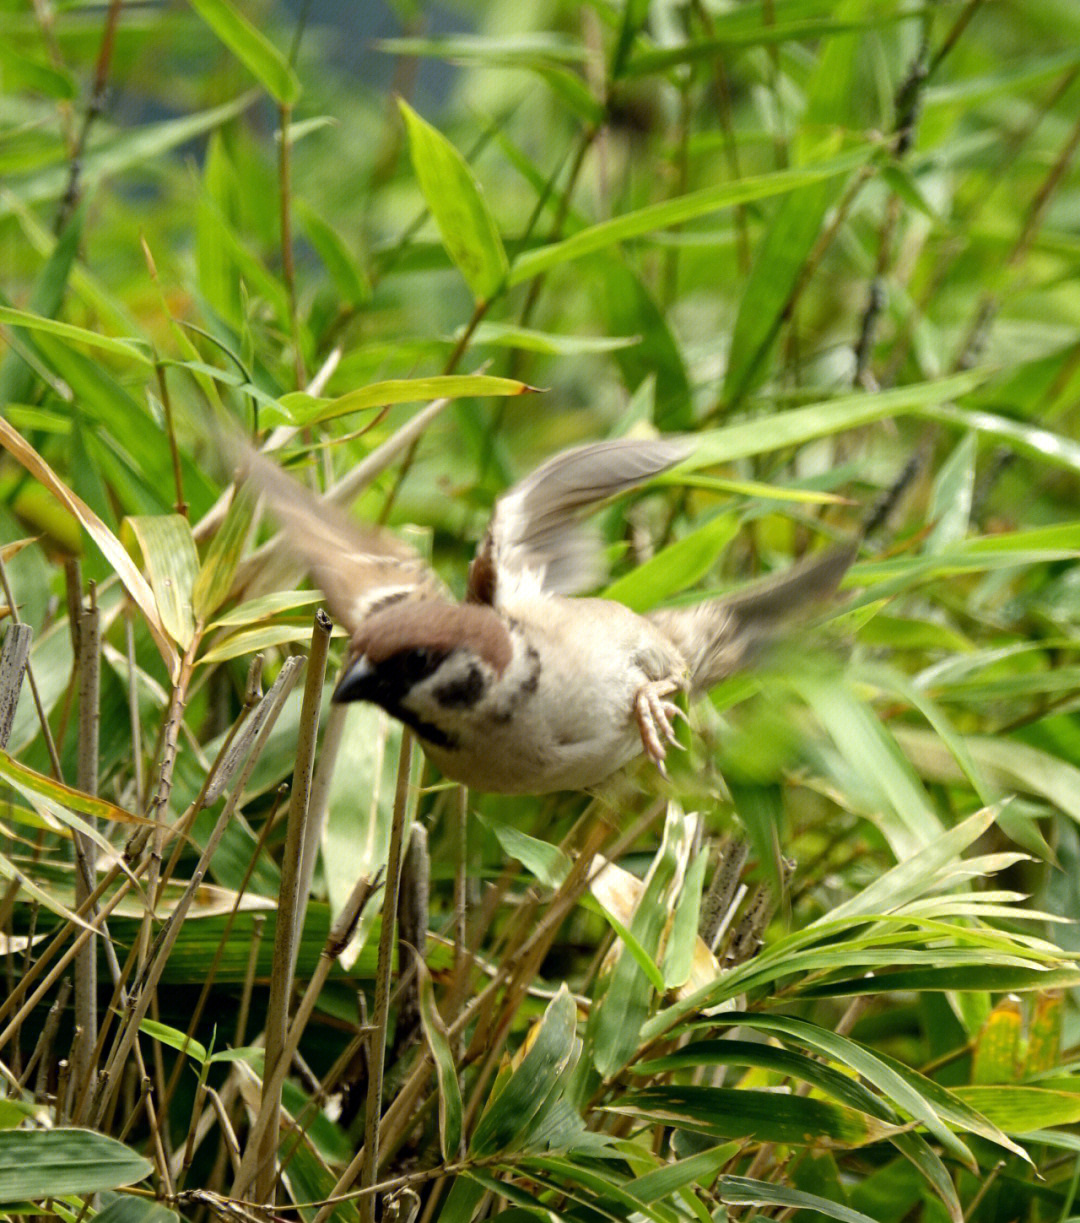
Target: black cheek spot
{"points": [[461, 693]]}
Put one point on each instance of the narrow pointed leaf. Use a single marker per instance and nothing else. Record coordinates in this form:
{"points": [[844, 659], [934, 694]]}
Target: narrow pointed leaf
{"points": [[457, 203], [450, 1109], [306, 410], [254, 50]]}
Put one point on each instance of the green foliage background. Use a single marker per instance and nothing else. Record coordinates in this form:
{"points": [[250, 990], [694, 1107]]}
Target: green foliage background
{"points": [[838, 242]]}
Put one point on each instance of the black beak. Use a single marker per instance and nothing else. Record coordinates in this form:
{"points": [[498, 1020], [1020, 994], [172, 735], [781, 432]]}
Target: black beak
{"points": [[357, 684]]}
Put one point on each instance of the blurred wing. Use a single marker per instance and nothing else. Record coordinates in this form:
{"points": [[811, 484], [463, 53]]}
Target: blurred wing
{"points": [[536, 539], [719, 636], [360, 569]]}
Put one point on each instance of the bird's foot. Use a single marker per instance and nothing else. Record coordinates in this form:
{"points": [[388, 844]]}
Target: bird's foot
{"points": [[656, 717]]}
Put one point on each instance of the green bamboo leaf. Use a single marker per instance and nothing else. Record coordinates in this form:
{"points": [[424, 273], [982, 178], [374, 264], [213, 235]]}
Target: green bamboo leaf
{"points": [[547, 862], [510, 1114], [16, 376], [630, 943], [765, 1116], [26, 779], [615, 1022], [350, 279], [43, 896], [265, 607], [630, 307], [864, 1062], [663, 1182], [23, 72], [253, 640], [457, 203], [677, 211], [126, 1208], [254, 50], [789, 1063], [782, 259], [1011, 764], [1042, 445], [994, 977], [737, 29], [74, 335], [523, 49], [799, 425], [916, 875], [601, 1189], [682, 941], [968, 90], [36, 1164], [950, 503], [462, 1200], [1018, 1108], [867, 745], [676, 567], [507, 335], [175, 1039], [305, 410], [215, 577], [130, 147], [744, 1191], [172, 564], [450, 1109]]}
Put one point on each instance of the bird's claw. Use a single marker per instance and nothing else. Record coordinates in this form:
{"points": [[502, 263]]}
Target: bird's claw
{"points": [[655, 719]]}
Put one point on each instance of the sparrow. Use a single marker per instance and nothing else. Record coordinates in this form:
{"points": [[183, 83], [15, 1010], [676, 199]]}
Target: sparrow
{"points": [[523, 688]]}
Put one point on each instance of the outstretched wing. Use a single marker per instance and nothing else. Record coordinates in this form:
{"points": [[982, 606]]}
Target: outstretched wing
{"points": [[717, 637], [536, 540], [359, 568]]}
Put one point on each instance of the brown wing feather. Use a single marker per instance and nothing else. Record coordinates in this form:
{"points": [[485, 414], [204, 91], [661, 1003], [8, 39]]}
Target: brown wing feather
{"points": [[359, 568], [536, 528]]}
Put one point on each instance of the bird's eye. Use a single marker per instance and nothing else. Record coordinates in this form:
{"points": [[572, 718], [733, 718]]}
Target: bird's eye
{"points": [[419, 663]]}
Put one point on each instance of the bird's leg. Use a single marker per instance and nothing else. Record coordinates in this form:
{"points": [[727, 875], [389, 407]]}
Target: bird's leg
{"points": [[655, 718]]}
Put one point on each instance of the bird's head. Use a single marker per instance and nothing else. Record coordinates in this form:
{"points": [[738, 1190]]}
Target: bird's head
{"points": [[425, 662]]}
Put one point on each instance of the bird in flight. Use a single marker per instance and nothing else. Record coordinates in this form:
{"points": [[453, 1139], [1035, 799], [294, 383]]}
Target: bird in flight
{"points": [[524, 688]]}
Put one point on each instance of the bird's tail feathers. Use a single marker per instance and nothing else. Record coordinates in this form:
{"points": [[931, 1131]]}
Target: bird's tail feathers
{"points": [[720, 636]]}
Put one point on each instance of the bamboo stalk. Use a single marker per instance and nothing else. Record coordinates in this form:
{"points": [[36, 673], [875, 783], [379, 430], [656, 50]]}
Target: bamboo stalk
{"points": [[290, 914], [158, 955], [377, 1037], [88, 665]]}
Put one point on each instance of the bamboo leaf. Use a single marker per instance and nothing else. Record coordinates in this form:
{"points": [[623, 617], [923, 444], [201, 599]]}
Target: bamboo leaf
{"points": [[511, 1112], [35, 1164], [74, 335], [254, 50], [450, 1109], [174, 1038], [215, 577], [765, 1116], [172, 562], [744, 1191], [676, 211], [305, 410], [457, 203]]}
